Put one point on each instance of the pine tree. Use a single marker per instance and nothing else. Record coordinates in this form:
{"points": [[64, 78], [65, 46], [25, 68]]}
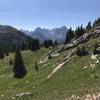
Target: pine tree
{"points": [[13, 48], [6, 51], [46, 44], [2, 53], [18, 67], [10, 62], [55, 43], [95, 51], [23, 46], [36, 66], [88, 27], [50, 42], [96, 22], [69, 36]]}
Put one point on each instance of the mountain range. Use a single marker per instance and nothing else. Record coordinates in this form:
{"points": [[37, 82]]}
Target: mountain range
{"points": [[58, 34], [10, 36]]}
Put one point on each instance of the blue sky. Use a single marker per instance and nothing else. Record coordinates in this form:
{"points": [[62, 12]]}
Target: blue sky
{"points": [[29, 14]]}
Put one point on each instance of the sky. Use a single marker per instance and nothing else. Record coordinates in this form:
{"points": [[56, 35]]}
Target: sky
{"points": [[29, 14]]}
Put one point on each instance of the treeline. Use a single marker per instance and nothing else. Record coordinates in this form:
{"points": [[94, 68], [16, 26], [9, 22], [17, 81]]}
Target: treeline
{"points": [[49, 43], [80, 30], [30, 44]]}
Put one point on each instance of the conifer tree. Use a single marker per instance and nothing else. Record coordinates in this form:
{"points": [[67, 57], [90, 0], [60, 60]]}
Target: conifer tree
{"points": [[46, 44], [10, 62], [18, 67], [2, 53], [50, 42], [69, 36], [88, 27], [36, 66]]}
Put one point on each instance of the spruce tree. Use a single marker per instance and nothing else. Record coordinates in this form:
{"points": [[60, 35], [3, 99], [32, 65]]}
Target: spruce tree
{"points": [[50, 42], [2, 53], [7, 51], [13, 48], [10, 62], [88, 27], [69, 36], [55, 43], [96, 23], [46, 44], [18, 67], [36, 66]]}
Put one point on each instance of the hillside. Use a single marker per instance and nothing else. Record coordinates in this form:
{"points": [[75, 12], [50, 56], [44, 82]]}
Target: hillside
{"points": [[10, 36], [65, 76]]}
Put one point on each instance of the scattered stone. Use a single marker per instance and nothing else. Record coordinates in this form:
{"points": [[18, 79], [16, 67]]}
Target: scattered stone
{"points": [[10, 76], [55, 55], [78, 98], [85, 67], [98, 96], [93, 66], [23, 94], [2, 95], [94, 97], [27, 82], [73, 97], [94, 57], [13, 97], [34, 87], [2, 76], [43, 61], [88, 97], [85, 97], [92, 75], [97, 62]]}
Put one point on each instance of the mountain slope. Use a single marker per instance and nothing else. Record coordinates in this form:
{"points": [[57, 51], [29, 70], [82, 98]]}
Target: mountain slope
{"points": [[10, 35]]}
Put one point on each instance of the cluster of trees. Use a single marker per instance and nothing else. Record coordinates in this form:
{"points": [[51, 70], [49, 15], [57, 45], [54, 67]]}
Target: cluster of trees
{"points": [[96, 22], [4, 51], [78, 32], [18, 65], [88, 27], [49, 43], [31, 44]]}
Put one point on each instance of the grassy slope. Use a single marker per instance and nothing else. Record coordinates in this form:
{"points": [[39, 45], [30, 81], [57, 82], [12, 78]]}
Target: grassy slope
{"points": [[71, 79]]}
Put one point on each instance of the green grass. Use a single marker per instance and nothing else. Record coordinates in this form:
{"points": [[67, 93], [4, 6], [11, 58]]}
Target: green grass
{"points": [[71, 79]]}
